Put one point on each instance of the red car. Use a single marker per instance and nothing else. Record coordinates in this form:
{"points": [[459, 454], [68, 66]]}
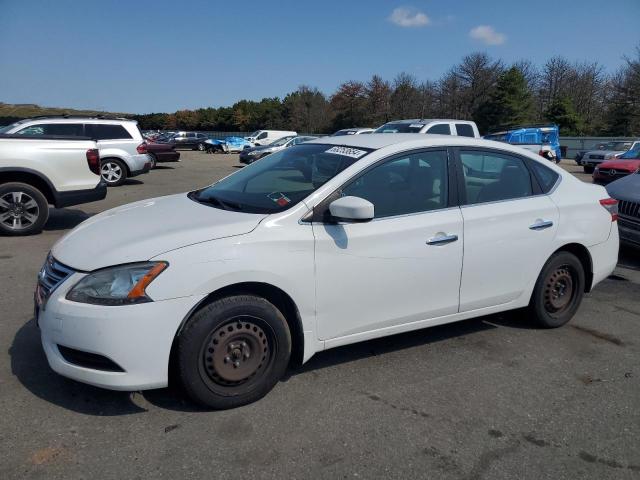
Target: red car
{"points": [[162, 152], [611, 170]]}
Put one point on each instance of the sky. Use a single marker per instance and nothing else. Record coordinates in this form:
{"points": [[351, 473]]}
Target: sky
{"points": [[140, 56]]}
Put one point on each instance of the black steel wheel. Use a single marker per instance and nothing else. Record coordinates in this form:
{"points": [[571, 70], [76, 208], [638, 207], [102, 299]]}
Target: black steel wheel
{"points": [[233, 351], [558, 291]]}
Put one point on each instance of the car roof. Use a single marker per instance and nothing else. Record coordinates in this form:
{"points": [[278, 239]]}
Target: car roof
{"points": [[429, 120], [75, 119], [376, 141]]}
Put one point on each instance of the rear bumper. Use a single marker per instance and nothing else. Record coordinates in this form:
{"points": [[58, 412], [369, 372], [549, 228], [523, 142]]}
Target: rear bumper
{"points": [[76, 197], [171, 156], [138, 164], [604, 256]]}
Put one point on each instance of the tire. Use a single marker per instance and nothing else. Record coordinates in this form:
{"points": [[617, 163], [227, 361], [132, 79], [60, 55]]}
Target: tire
{"points": [[23, 209], [154, 160], [217, 361], [587, 169], [558, 291], [201, 147], [113, 171]]}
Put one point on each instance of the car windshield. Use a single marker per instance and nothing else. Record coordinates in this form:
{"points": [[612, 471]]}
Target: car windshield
{"points": [[280, 180], [255, 134], [341, 133], [400, 128], [280, 142], [619, 146], [634, 153]]}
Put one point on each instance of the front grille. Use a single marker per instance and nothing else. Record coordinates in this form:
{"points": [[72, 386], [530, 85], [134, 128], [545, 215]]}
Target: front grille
{"points": [[596, 157], [629, 209], [629, 224], [612, 172], [51, 276], [88, 360]]}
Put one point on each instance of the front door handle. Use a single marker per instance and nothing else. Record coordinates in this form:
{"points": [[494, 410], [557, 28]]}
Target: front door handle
{"points": [[442, 239], [541, 225]]}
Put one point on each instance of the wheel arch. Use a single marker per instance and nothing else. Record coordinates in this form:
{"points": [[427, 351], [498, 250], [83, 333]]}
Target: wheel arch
{"points": [[582, 253], [275, 295], [114, 157], [30, 177]]}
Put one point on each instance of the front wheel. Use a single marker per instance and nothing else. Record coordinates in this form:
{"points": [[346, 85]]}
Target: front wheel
{"points": [[201, 147], [233, 351], [558, 291], [113, 171], [23, 209]]}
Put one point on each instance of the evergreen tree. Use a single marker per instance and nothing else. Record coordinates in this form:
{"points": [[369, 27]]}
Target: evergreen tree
{"points": [[561, 112]]}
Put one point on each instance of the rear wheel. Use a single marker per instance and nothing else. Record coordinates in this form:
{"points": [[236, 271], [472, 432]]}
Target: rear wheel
{"points": [[154, 160], [201, 147], [23, 209], [113, 171], [587, 169], [558, 291], [233, 351]]}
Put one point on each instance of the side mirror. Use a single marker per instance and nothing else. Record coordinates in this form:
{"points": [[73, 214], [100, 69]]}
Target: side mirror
{"points": [[353, 209]]}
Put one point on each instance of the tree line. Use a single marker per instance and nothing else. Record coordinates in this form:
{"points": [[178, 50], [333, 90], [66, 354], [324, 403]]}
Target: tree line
{"points": [[581, 97]]}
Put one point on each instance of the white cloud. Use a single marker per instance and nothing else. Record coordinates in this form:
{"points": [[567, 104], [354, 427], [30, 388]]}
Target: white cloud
{"points": [[408, 17], [487, 35]]}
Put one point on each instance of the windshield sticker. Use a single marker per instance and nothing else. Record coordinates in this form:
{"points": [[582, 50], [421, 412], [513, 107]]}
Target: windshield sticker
{"points": [[347, 152], [416, 125], [279, 198]]}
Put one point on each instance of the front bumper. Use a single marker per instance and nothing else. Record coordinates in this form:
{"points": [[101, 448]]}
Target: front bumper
{"points": [[629, 230], [137, 338]]}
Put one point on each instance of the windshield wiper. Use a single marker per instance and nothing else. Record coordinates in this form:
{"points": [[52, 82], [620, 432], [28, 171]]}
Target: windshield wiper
{"points": [[216, 202]]}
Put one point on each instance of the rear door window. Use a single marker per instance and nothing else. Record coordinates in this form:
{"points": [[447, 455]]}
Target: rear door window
{"points": [[107, 132], [492, 177], [464, 130], [440, 128]]}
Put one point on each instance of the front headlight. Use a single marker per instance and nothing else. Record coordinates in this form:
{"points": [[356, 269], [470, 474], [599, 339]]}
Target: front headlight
{"points": [[122, 285]]}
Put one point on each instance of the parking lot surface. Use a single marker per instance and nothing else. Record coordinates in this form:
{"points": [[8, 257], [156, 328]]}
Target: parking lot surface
{"points": [[492, 397]]}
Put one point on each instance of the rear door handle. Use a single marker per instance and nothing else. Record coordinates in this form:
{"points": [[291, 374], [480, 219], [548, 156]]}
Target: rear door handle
{"points": [[442, 239], [541, 225]]}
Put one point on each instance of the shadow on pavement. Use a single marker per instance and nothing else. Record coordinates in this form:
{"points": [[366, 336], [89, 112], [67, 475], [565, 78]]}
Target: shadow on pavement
{"points": [[29, 365], [65, 218]]}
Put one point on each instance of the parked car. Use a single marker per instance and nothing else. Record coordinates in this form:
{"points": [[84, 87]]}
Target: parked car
{"points": [[627, 191], [36, 172], [228, 145], [352, 131], [322, 244], [595, 157], [541, 139], [123, 151], [162, 152], [611, 170], [462, 128], [192, 140], [250, 155], [265, 137], [595, 146]]}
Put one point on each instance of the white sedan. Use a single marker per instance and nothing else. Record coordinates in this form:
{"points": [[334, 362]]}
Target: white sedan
{"points": [[326, 243]]}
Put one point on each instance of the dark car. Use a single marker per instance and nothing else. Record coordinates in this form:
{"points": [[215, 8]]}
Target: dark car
{"points": [[595, 146], [627, 192], [162, 152], [250, 155], [192, 140]]}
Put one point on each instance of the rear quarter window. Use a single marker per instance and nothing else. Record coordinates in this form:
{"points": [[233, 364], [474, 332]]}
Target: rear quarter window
{"points": [[464, 130], [440, 128], [107, 132], [547, 178]]}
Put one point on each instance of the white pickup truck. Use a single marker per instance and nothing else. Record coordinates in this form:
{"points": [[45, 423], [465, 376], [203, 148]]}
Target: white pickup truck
{"points": [[43, 171]]}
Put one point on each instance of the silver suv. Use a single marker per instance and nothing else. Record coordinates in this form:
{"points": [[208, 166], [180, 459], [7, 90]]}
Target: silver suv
{"points": [[123, 151]]}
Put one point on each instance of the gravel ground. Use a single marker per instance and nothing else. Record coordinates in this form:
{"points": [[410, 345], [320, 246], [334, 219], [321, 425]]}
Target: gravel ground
{"points": [[486, 398]]}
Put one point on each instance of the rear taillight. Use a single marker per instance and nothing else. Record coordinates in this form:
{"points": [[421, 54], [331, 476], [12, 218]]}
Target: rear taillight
{"points": [[142, 148], [611, 205], [93, 160]]}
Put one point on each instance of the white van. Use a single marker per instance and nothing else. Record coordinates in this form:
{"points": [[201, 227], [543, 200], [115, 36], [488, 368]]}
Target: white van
{"points": [[265, 137]]}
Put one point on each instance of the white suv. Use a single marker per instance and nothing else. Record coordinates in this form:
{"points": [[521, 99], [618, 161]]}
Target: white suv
{"points": [[123, 152], [460, 128]]}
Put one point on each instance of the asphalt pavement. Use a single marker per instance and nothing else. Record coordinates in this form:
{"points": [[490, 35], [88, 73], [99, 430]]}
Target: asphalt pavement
{"points": [[492, 397]]}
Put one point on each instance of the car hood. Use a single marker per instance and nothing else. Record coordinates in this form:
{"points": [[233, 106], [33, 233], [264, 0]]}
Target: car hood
{"points": [[605, 152], [142, 230], [627, 188], [631, 165]]}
